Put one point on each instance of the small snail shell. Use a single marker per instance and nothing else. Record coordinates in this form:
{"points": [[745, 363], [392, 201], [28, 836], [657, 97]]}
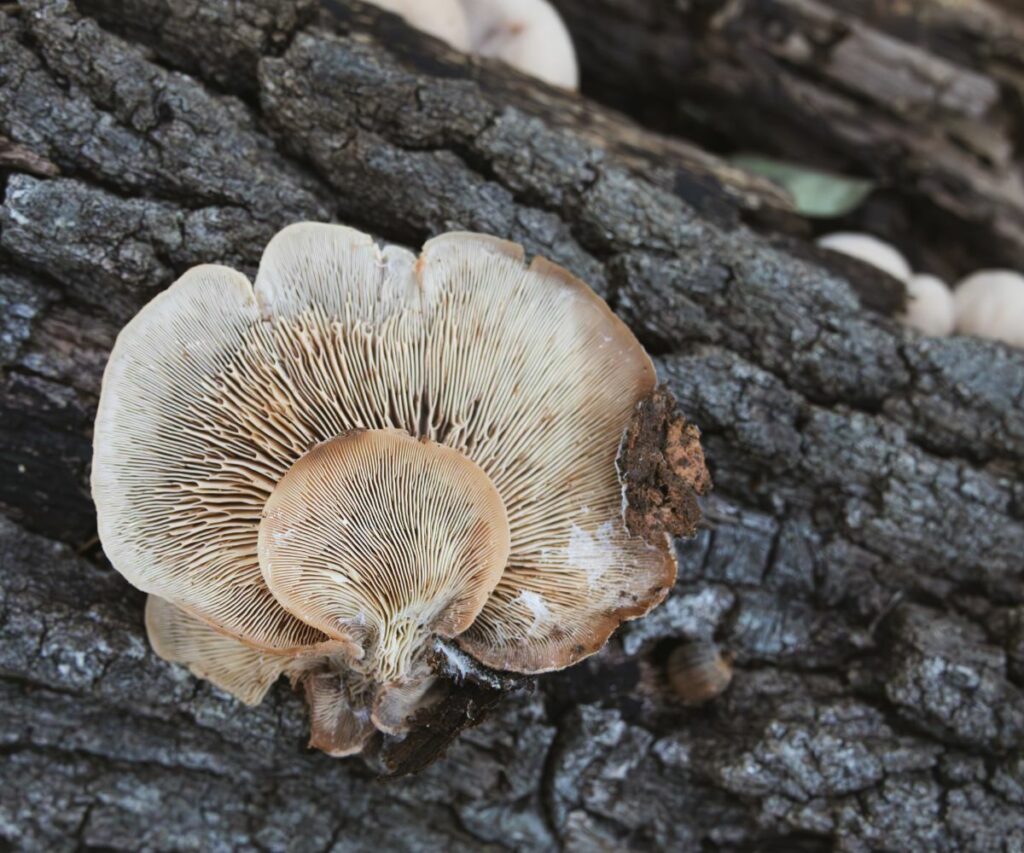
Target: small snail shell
{"points": [[698, 672]]}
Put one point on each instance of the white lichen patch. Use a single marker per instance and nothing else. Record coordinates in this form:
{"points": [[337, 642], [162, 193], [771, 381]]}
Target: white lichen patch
{"points": [[538, 607]]}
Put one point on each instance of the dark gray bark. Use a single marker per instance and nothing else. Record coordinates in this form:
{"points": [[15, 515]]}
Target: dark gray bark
{"points": [[925, 96], [864, 551]]}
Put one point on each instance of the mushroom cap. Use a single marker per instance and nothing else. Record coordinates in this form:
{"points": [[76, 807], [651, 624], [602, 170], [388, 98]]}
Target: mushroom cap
{"points": [[443, 19], [990, 304], [527, 34], [382, 540], [930, 306], [698, 671], [179, 637], [870, 250], [214, 391], [339, 713]]}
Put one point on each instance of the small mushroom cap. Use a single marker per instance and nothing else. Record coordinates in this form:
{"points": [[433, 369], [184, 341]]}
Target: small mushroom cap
{"points": [[930, 306], [215, 390], [383, 540], [527, 34], [339, 713], [443, 19], [178, 637], [990, 304], [869, 249]]}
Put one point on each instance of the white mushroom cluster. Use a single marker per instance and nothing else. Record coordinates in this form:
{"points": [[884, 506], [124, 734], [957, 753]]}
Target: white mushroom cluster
{"points": [[987, 303], [527, 34], [930, 302], [990, 304], [320, 474]]}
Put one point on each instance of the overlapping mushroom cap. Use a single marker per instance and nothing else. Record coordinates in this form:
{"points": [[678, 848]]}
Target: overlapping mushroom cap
{"points": [[255, 463], [383, 541]]}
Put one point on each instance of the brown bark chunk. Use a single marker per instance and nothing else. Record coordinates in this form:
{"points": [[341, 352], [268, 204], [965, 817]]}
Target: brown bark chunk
{"points": [[661, 465]]}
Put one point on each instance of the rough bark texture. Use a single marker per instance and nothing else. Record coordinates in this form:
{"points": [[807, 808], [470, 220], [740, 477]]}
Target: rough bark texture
{"points": [[924, 96], [863, 557]]}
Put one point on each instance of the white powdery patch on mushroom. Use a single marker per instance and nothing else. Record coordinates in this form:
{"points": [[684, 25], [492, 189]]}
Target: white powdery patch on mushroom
{"points": [[593, 551], [219, 398]]}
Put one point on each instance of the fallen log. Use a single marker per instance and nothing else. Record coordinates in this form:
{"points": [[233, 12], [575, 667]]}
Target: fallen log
{"points": [[862, 557]]}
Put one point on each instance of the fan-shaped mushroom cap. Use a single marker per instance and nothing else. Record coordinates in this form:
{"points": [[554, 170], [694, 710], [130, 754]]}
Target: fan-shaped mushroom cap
{"points": [[214, 392], [527, 34], [339, 713], [383, 540], [930, 306], [178, 637], [443, 19], [870, 250], [990, 304]]}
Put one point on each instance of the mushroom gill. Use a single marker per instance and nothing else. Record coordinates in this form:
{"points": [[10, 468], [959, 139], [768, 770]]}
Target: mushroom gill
{"points": [[239, 426]]}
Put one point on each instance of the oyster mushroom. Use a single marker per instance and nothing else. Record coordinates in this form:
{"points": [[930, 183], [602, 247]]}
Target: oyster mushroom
{"points": [[443, 19], [339, 700], [384, 542], [255, 465], [527, 34], [929, 307], [699, 671], [990, 304], [239, 669], [870, 250]]}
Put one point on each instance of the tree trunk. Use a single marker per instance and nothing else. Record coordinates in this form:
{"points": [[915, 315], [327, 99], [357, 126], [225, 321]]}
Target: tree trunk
{"points": [[864, 548]]}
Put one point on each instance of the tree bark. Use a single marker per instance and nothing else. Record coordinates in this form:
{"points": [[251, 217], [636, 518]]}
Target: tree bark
{"points": [[864, 550], [925, 97]]}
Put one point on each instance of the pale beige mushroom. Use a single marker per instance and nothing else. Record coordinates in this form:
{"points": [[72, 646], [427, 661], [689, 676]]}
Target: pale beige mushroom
{"points": [[990, 304], [339, 712], [929, 306], [384, 541], [216, 391], [244, 672], [527, 34]]}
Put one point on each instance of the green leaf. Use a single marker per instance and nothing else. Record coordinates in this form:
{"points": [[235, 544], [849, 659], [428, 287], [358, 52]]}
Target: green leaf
{"points": [[815, 193]]}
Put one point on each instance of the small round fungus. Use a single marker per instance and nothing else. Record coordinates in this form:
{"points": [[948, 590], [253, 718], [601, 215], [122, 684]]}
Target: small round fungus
{"points": [[870, 250], [527, 34], [990, 304], [929, 306], [321, 474], [698, 672], [339, 712]]}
